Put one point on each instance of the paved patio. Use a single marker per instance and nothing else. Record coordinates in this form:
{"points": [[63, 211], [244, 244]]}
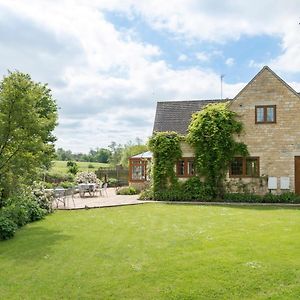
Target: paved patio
{"points": [[109, 200]]}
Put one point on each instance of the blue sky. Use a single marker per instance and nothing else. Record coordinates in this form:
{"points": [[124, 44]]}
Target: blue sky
{"points": [[109, 61]]}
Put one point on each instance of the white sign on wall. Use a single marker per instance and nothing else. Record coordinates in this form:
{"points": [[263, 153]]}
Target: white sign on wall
{"points": [[272, 183], [285, 183]]}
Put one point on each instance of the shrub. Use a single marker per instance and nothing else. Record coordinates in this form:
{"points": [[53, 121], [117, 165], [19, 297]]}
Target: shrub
{"points": [[267, 198], [194, 189], [58, 177], [17, 213], [23, 208], [290, 197], [112, 182], [44, 199], [172, 195], [128, 190], [7, 227], [67, 184], [191, 190], [146, 194], [87, 177], [35, 212], [242, 197], [91, 166], [287, 197], [47, 185], [72, 167]]}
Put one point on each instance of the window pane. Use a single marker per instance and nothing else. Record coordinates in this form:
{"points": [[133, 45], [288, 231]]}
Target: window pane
{"points": [[138, 172], [270, 114], [190, 168], [251, 167], [237, 166], [180, 166], [259, 114]]}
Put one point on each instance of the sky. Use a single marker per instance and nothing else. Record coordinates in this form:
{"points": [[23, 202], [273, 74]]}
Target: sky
{"points": [[108, 62]]}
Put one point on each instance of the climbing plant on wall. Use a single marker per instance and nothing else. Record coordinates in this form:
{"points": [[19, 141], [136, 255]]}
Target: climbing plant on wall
{"points": [[165, 147], [212, 134]]}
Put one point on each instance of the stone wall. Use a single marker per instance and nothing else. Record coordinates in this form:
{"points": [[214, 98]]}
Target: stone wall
{"points": [[276, 144], [187, 150]]}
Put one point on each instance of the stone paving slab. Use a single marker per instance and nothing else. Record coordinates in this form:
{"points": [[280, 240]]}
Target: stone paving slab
{"points": [[107, 200]]}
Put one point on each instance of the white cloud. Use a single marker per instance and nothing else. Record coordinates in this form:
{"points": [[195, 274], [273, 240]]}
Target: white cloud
{"points": [[182, 57], [222, 22], [229, 61], [253, 64], [107, 81], [202, 56]]}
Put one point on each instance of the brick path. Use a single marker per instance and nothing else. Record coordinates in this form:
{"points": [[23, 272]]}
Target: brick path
{"points": [[109, 200]]}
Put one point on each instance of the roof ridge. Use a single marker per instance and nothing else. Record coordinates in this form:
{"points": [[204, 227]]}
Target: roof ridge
{"points": [[194, 100], [274, 74]]}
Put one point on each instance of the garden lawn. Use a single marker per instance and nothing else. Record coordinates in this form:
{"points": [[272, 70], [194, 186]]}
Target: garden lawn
{"points": [[156, 251], [60, 166]]}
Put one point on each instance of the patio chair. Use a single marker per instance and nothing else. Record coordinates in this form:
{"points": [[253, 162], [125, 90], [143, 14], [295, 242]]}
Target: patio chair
{"points": [[69, 194], [82, 190], [104, 188], [59, 196], [98, 189]]}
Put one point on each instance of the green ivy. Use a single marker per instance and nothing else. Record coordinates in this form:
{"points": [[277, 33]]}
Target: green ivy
{"points": [[211, 133], [166, 150]]}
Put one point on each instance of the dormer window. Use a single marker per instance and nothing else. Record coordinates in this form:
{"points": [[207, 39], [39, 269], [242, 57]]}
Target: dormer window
{"points": [[265, 114]]}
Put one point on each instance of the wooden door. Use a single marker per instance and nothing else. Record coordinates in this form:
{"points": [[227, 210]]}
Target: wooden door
{"points": [[297, 175]]}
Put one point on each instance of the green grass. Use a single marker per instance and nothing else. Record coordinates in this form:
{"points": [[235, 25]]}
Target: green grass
{"points": [[61, 166], [156, 251]]}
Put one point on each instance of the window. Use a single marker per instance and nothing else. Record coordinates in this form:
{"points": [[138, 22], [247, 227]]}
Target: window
{"points": [[265, 114], [244, 167], [138, 170], [190, 168], [185, 167], [180, 168], [237, 167]]}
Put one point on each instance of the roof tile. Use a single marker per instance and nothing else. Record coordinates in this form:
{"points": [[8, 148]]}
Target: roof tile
{"points": [[176, 115]]}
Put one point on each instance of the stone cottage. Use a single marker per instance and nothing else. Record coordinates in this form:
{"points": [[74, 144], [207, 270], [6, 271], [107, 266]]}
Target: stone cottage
{"points": [[270, 111]]}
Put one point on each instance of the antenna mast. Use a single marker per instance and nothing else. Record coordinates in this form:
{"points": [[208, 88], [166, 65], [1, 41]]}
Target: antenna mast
{"points": [[221, 77]]}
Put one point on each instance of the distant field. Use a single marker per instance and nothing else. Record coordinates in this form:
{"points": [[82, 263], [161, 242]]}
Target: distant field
{"points": [[61, 166]]}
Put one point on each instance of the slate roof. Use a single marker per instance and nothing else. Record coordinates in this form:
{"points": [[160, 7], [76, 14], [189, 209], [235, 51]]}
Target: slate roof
{"points": [[176, 115]]}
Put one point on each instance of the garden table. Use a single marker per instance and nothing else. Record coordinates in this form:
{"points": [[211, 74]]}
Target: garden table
{"points": [[87, 188]]}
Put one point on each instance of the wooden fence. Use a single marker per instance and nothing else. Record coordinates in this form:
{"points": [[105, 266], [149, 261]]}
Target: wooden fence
{"points": [[119, 173]]}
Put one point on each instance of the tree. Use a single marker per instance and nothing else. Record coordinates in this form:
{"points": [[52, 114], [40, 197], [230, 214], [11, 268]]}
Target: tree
{"points": [[102, 155], [212, 133], [116, 152], [72, 167], [28, 116], [130, 150], [62, 154]]}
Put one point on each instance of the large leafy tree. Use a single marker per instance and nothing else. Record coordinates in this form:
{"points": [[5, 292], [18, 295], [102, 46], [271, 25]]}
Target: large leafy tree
{"points": [[212, 132], [28, 116], [130, 150], [116, 153]]}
